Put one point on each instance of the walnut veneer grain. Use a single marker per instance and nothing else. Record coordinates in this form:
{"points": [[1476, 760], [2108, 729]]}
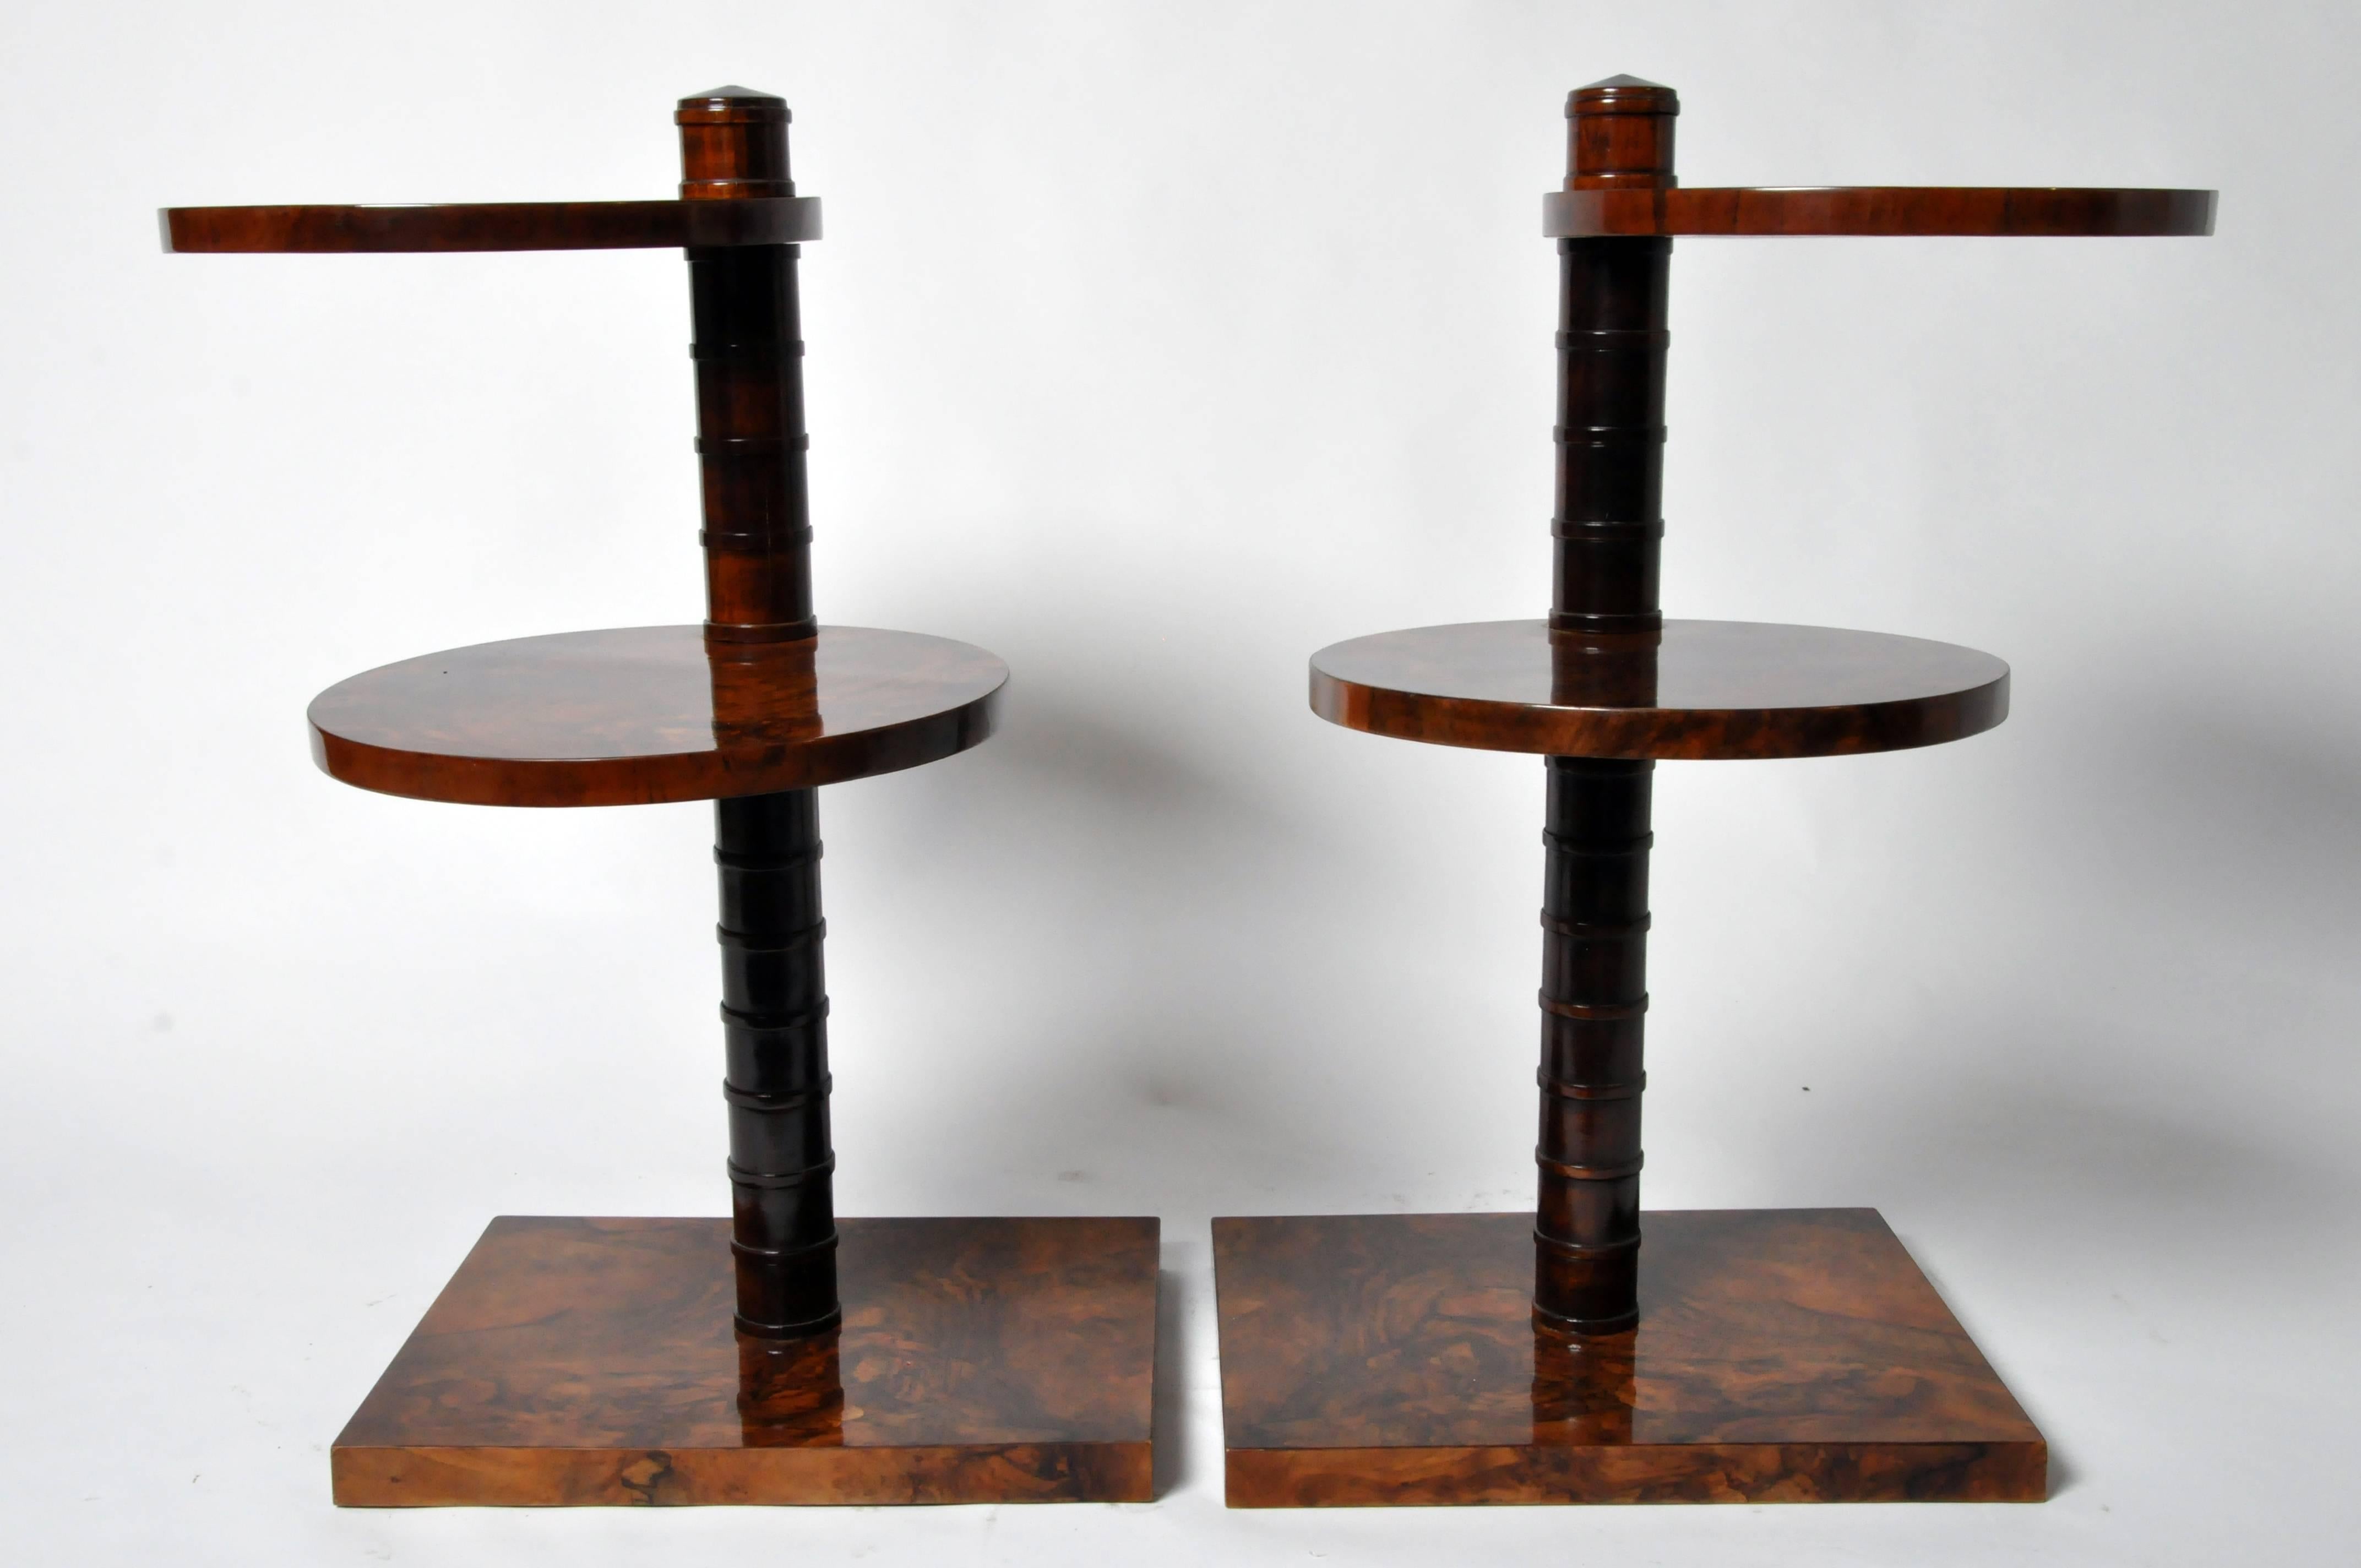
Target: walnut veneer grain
{"points": [[589, 1361]]}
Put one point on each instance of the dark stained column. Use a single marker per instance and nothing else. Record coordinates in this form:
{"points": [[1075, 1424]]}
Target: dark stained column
{"points": [[774, 1022], [749, 392], [1604, 622], [757, 538]]}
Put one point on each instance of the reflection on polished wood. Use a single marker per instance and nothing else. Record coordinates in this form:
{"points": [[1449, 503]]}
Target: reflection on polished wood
{"points": [[1783, 1355], [592, 1361], [1970, 211], [1711, 689], [492, 226], [654, 713]]}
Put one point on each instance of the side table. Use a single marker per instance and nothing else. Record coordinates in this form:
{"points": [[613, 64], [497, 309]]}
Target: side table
{"points": [[780, 1356], [1743, 1355]]}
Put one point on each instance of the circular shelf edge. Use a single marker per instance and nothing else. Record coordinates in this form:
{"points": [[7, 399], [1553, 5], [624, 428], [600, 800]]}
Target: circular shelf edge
{"points": [[1710, 689], [641, 714], [1991, 211], [491, 225]]}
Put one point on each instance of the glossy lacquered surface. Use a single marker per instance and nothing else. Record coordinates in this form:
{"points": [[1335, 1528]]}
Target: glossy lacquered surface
{"points": [[1782, 1355], [766, 853], [654, 713], [1710, 689], [592, 1361], [1995, 212], [492, 226]]}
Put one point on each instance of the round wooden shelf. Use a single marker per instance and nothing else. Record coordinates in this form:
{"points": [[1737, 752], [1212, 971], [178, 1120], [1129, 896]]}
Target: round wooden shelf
{"points": [[494, 226], [1709, 689], [654, 713], [1894, 210]]}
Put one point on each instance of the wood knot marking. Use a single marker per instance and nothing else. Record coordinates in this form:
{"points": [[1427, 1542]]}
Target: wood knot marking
{"points": [[647, 1477]]}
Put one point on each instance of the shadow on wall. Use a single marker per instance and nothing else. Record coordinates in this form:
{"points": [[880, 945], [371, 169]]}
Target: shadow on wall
{"points": [[2219, 815], [1167, 953], [1054, 742], [2152, 1181], [2155, 1028]]}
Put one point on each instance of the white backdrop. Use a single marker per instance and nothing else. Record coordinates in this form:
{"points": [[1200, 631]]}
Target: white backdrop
{"points": [[1153, 348]]}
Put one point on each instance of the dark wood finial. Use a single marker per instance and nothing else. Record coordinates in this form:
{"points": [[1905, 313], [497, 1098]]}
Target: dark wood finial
{"points": [[733, 142], [1620, 136]]}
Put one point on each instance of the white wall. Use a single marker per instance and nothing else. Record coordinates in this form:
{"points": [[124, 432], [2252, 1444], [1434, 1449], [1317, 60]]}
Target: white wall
{"points": [[1153, 348]]}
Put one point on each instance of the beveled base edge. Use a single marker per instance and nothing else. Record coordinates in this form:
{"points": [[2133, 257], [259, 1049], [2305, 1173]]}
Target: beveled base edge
{"points": [[374, 1477], [1699, 1473], [1417, 1317], [592, 1362]]}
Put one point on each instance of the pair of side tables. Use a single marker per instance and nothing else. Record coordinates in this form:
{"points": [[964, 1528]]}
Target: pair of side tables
{"points": [[784, 1356]]}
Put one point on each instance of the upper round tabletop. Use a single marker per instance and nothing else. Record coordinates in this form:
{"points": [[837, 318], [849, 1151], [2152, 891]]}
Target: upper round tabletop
{"points": [[654, 713], [1709, 689], [495, 225], [1894, 210]]}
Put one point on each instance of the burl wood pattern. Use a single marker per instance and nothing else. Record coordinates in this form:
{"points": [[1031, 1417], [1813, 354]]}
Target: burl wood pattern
{"points": [[1782, 1355], [1722, 689], [592, 1362], [654, 713], [489, 225]]}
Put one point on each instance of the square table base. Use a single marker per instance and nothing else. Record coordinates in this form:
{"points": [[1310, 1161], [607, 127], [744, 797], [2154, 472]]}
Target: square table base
{"points": [[580, 1361], [1783, 1355]]}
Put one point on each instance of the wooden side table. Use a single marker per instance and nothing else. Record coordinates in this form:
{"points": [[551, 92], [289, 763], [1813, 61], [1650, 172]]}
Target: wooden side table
{"points": [[1744, 1355], [780, 1356]]}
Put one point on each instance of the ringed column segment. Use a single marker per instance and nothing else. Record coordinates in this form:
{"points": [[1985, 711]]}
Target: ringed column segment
{"points": [[750, 395], [1609, 524], [774, 1022], [752, 445], [1594, 1002], [1608, 532]]}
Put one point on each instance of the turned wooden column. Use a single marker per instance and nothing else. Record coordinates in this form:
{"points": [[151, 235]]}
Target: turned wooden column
{"points": [[1604, 624], [750, 390], [751, 446], [774, 1024]]}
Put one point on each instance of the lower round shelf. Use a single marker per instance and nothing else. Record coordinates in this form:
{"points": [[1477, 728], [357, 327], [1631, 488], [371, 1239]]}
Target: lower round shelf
{"points": [[1706, 689], [654, 713]]}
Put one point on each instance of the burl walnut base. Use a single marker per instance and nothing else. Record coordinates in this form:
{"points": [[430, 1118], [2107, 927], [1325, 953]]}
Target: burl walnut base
{"points": [[1783, 1355], [592, 1361]]}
